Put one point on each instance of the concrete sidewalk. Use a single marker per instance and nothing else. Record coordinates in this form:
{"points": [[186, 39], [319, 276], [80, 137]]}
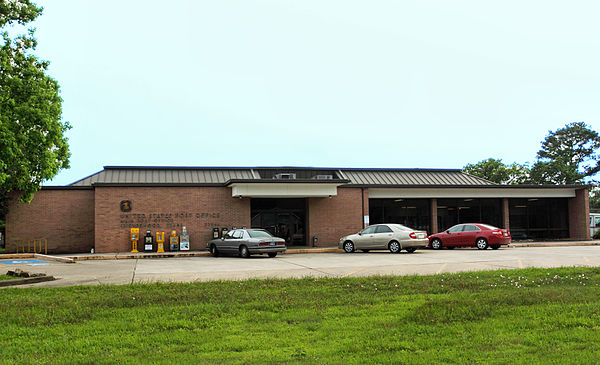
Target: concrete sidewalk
{"points": [[290, 250], [554, 243], [156, 255]]}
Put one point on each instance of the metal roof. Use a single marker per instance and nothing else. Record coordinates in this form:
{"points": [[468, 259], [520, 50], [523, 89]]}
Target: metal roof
{"points": [[136, 176], [413, 177], [220, 176]]}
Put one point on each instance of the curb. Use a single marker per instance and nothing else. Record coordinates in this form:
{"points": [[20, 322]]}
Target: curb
{"points": [[127, 256], [37, 279], [554, 244], [55, 258], [36, 256], [312, 250], [154, 255]]}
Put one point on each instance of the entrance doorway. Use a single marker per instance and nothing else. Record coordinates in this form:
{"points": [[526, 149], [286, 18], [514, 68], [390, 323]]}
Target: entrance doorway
{"points": [[283, 217]]}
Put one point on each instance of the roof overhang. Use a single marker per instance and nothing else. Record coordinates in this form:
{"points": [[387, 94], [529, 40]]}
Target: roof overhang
{"points": [[473, 192], [284, 190]]}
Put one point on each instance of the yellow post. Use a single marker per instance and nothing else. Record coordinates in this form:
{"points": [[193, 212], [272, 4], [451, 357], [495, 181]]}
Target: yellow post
{"points": [[20, 243], [160, 241], [45, 246], [29, 245], [135, 236]]}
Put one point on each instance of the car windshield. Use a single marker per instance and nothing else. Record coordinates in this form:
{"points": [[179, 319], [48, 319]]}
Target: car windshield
{"points": [[403, 228], [488, 226], [259, 234]]}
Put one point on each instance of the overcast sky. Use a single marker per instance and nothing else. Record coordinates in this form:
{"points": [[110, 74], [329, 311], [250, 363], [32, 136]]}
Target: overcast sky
{"points": [[402, 84]]}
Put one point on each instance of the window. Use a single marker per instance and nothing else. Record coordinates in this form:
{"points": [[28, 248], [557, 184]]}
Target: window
{"points": [[369, 230], [468, 210], [238, 234], [259, 234], [228, 235], [489, 227], [596, 221], [543, 218], [383, 229], [456, 229], [471, 228], [413, 213]]}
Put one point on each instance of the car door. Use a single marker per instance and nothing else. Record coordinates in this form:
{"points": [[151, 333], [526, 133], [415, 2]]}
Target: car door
{"points": [[229, 242], [365, 237], [383, 235], [469, 235], [453, 237]]}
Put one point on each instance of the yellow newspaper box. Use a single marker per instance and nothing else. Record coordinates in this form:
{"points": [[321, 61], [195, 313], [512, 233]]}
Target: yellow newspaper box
{"points": [[135, 236], [160, 241]]}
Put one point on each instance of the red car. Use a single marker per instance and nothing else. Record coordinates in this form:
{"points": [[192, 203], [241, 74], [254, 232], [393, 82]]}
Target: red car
{"points": [[470, 234]]}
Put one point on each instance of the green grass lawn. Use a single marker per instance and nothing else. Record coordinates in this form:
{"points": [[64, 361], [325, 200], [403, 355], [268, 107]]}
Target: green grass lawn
{"points": [[512, 316], [5, 277]]}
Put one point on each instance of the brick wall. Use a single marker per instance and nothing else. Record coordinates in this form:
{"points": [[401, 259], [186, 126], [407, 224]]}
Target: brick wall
{"points": [[64, 217], [163, 209], [331, 218], [579, 217]]}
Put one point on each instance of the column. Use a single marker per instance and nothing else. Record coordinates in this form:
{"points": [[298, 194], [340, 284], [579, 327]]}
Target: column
{"points": [[505, 214], [434, 216]]}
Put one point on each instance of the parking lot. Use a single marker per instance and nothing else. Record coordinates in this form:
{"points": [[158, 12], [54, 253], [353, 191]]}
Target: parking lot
{"points": [[334, 264]]}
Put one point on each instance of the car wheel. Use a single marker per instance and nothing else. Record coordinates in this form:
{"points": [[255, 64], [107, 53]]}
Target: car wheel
{"points": [[481, 243], [394, 247], [272, 254], [411, 249], [244, 252], [349, 246], [214, 251], [495, 247], [365, 251], [436, 244]]}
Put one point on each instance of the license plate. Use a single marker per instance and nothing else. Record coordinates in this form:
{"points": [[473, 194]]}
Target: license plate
{"points": [[505, 234], [272, 244], [420, 235]]}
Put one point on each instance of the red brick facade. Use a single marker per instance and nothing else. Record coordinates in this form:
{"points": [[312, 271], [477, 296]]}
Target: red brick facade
{"points": [[331, 218], [77, 220], [162, 209], [65, 218], [579, 218]]}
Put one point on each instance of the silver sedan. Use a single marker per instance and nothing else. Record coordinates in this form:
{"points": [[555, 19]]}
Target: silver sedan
{"points": [[393, 237], [246, 242]]}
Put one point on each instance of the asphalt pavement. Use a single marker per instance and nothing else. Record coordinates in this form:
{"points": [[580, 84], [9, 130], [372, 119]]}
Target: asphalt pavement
{"points": [[323, 264]]}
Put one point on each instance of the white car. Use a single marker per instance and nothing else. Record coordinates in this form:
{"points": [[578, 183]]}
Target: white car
{"points": [[393, 237]]}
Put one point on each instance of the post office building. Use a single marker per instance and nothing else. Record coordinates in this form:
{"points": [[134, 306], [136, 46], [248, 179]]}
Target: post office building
{"points": [[304, 205]]}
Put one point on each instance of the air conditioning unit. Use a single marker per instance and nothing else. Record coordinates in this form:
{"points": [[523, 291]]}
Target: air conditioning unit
{"points": [[285, 176], [323, 177]]}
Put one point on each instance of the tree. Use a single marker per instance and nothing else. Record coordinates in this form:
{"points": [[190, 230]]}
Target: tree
{"points": [[496, 171], [568, 155], [595, 197], [33, 147]]}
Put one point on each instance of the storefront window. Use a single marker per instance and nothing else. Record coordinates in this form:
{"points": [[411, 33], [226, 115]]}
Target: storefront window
{"points": [[539, 218], [455, 211], [413, 213]]}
